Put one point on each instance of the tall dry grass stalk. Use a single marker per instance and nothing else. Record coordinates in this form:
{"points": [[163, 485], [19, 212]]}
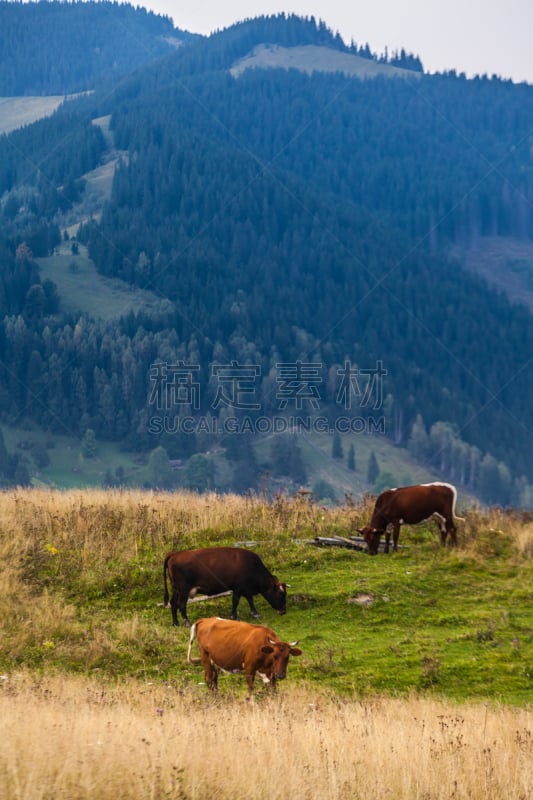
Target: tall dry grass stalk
{"points": [[68, 738], [94, 519], [87, 527]]}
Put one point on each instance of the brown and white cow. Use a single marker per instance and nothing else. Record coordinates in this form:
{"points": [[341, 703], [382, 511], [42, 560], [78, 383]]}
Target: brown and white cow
{"points": [[213, 570], [230, 646], [411, 505]]}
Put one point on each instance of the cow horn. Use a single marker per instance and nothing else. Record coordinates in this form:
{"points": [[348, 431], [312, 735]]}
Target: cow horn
{"points": [[272, 641], [293, 644]]}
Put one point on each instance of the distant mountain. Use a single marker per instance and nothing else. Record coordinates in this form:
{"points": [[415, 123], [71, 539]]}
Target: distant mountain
{"points": [[284, 216], [49, 48]]}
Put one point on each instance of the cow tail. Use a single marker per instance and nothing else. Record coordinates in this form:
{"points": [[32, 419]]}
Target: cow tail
{"points": [[454, 502], [165, 569], [192, 637]]}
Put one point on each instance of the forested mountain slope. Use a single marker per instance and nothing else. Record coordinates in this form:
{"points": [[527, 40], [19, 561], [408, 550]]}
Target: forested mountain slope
{"points": [[288, 217], [49, 48]]}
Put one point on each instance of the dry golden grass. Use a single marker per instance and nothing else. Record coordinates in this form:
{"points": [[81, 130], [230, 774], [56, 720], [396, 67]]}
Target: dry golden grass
{"points": [[72, 738], [90, 527], [102, 517]]}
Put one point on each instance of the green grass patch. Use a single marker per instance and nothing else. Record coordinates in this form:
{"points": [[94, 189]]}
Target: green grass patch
{"points": [[423, 620], [83, 290]]}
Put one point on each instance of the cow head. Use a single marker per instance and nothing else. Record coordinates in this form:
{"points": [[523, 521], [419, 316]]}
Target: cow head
{"points": [[277, 595], [371, 537], [276, 659]]}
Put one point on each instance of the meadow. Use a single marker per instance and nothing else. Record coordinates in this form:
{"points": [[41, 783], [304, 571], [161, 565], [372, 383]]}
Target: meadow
{"points": [[416, 679]]}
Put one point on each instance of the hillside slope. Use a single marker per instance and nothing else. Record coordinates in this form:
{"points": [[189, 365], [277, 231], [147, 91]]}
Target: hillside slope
{"points": [[290, 219]]}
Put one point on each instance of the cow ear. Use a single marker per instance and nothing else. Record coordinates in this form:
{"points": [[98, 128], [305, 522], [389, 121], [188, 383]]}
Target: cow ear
{"points": [[267, 649], [295, 651]]}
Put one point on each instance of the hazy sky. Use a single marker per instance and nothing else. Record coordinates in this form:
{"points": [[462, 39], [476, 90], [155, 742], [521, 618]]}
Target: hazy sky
{"points": [[474, 36]]}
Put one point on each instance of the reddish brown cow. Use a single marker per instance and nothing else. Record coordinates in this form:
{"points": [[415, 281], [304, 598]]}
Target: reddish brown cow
{"points": [[213, 570], [229, 646], [411, 505]]}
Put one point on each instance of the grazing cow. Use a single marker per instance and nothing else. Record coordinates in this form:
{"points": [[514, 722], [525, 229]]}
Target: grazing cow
{"points": [[411, 505], [229, 646], [213, 570]]}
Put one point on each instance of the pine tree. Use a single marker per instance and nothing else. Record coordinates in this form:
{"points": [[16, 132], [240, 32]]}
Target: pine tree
{"points": [[88, 444], [4, 458], [199, 472], [159, 468], [373, 468], [336, 447]]}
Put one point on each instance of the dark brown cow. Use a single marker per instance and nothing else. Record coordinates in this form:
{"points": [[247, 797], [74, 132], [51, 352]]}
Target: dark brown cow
{"points": [[411, 505], [213, 570], [229, 646]]}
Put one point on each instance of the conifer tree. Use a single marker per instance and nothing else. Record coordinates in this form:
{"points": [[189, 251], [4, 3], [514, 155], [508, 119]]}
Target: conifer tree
{"points": [[373, 468], [336, 447], [351, 458]]}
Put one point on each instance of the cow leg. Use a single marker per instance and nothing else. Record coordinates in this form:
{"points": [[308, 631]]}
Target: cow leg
{"points": [[174, 607], [250, 680], [395, 535], [255, 613], [234, 603], [211, 673], [182, 605], [452, 530], [387, 540], [443, 527]]}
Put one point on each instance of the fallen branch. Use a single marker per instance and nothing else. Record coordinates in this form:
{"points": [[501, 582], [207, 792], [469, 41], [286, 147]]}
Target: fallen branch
{"points": [[338, 541], [352, 542], [198, 598]]}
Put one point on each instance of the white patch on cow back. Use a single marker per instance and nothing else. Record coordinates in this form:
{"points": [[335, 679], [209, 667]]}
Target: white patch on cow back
{"points": [[453, 491]]}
